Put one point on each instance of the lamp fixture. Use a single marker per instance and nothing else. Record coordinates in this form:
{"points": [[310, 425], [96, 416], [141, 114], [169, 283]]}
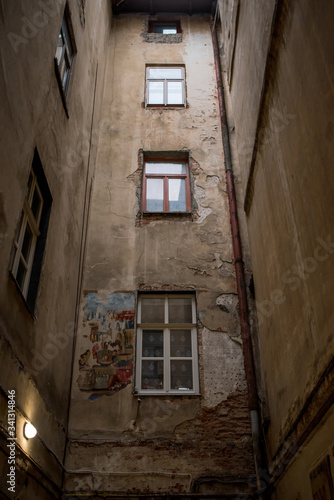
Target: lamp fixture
{"points": [[29, 430]]}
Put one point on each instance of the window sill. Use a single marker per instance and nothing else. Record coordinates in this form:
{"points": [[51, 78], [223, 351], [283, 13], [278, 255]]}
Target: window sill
{"points": [[167, 394], [147, 217], [165, 106]]}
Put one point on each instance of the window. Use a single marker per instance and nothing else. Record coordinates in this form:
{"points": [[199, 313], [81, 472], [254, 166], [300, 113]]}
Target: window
{"points": [[167, 360], [29, 241], [166, 186], [165, 86], [164, 28], [65, 52]]}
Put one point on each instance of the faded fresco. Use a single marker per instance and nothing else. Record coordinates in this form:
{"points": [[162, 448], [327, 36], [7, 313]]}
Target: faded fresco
{"points": [[106, 365]]}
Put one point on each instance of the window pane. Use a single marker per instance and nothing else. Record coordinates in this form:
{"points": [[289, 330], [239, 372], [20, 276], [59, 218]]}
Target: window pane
{"points": [[36, 204], [20, 275], [177, 195], [29, 185], [18, 229], [163, 73], [26, 245], [155, 92], [67, 39], [154, 195], [174, 93], [153, 344], [152, 375], [60, 48], [152, 310], [180, 310], [180, 343], [166, 29], [181, 374], [166, 168]]}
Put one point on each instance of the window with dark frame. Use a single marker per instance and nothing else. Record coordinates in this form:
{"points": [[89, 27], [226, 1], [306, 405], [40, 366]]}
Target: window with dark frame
{"points": [[166, 186], [65, 52], [167, 354], [30, 237], [165, 86], [164, 27]]}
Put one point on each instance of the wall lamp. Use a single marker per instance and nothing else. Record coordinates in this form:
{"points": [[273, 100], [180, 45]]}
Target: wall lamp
{"points": [[29, 431]]}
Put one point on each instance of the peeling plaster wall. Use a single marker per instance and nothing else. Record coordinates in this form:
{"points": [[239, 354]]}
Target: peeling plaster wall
{"points": [[161, 444], [36, 351]]}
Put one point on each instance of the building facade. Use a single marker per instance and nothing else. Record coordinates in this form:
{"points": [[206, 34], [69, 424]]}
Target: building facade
{"points": [[166, 249]]}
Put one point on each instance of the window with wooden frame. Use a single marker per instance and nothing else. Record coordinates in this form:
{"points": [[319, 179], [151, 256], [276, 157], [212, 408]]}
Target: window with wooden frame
{"points": [[166, 186], [165, 86], [164, 27], [30, 237], [65, 52], [167, 353]]}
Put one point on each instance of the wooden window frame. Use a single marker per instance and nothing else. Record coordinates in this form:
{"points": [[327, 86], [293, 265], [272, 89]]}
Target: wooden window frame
{"points": [[167, 328], [27, 220], [38, 225], [64, 56], [165, 178], [165, 85]]}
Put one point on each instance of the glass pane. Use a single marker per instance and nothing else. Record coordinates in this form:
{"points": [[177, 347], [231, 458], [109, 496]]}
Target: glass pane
{"points": [[177, 195], [180, 343], [163, 73], [20, 275], [18, 229], [181, 374], [153, 344], [29, 185], [166, 168], [180, 310], [60, 48], [154, 195], [67, 39], [155, 92], [152, 310], [152, 375], [27, 240], [174, 93], [165, 29], [36, 203]]}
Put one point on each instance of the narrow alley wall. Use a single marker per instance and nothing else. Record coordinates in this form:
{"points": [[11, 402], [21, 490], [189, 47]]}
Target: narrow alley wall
{"points": [[279, 67], [43, 128]]}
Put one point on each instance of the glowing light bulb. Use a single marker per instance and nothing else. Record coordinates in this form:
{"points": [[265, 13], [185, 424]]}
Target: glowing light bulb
{"points": [[29, 430]]}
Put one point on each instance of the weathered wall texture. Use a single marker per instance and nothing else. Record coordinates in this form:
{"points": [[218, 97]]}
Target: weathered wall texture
{"points": [[246, 27], [161, 444], [290, 223], [36, 352]]}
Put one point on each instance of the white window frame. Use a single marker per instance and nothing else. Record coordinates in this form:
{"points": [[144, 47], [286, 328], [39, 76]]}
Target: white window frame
{"points": [[27, 219], [65, 53], [167, 328], [165, 86]]}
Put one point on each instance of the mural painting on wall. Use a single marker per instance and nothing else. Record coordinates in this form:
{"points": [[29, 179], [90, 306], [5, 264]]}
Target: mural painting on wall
{"points": [[106, 365]]}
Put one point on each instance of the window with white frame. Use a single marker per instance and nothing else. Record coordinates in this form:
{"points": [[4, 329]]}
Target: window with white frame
{"points": [[29, 240], [65, 52], [167, 359], [165, 86]]}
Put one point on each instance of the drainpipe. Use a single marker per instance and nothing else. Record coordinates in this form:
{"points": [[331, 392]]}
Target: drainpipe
{"points": [[259, 454]]}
